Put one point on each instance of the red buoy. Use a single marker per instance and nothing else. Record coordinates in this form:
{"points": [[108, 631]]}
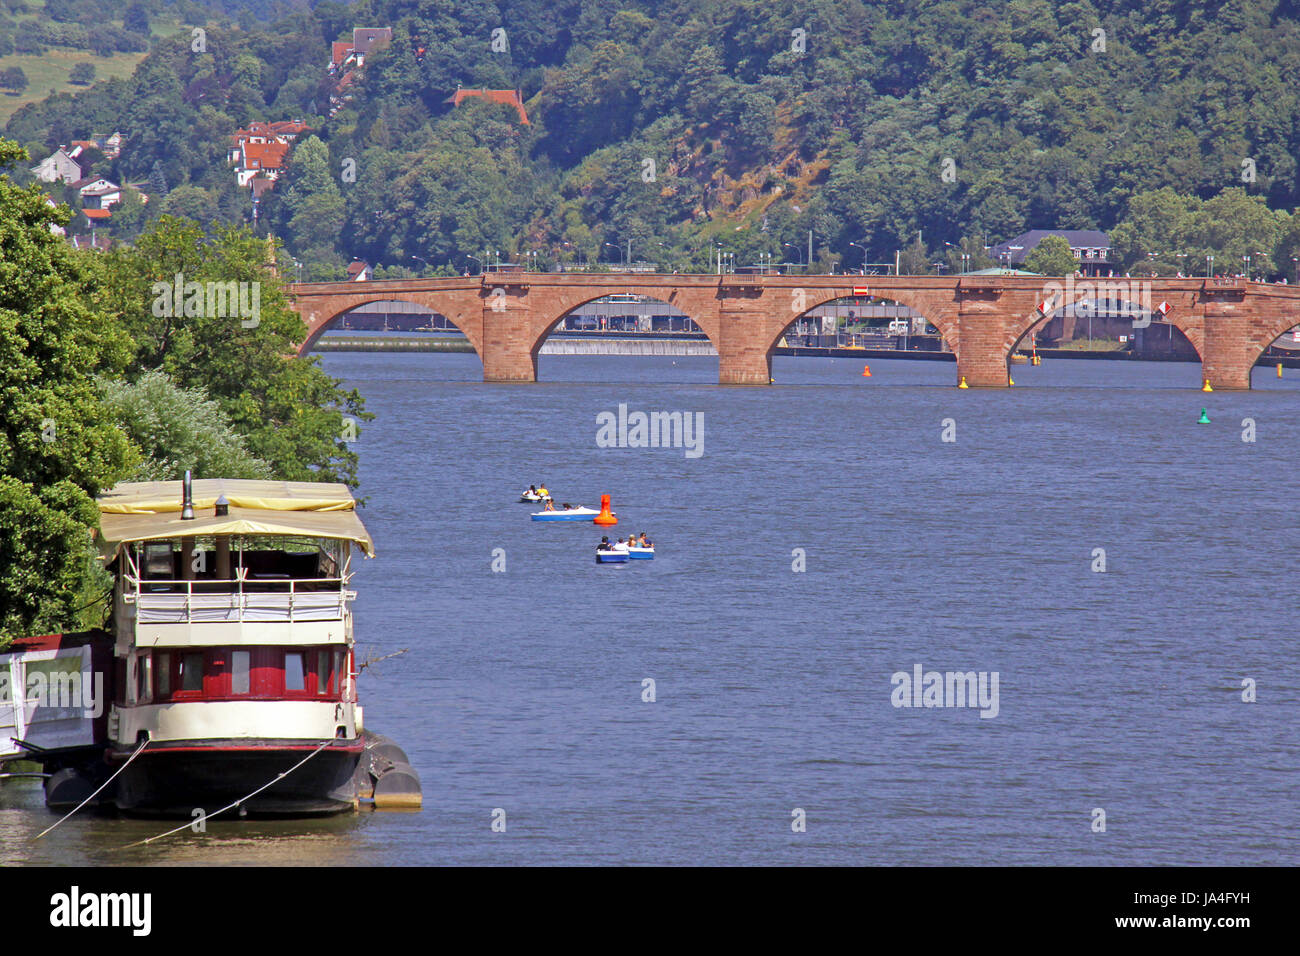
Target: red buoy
{"points": [[606, 516]]}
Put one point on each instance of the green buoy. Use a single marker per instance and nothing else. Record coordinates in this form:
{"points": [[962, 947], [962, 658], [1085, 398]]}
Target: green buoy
{"points": [[1205, 418]]}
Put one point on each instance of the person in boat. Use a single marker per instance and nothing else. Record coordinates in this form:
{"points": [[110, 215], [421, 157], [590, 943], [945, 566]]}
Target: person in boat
{"points": [[621, 546], [550, 505], [541, 490], [531, 492], [644, 542], [604, 544], [564, 507]]}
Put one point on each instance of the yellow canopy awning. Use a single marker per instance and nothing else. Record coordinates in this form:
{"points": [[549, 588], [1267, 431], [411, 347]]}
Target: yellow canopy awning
{"points": [[151, 497], [151, 511]]}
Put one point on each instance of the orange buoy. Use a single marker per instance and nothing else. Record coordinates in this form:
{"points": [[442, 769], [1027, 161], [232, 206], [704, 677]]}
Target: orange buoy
{"points": [[606, 516], [866, 371]]}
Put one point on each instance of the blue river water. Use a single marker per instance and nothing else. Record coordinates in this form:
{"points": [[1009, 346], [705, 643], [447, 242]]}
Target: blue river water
{"points": [[523, 689]]}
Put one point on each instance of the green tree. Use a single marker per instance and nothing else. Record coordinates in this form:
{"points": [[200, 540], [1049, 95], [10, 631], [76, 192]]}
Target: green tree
{"points": [[288, 411], [1052, 257], [83, 74], [313, 208], [177, 430], [58, 444], [13, 78], [189, 202], [136, 19]]}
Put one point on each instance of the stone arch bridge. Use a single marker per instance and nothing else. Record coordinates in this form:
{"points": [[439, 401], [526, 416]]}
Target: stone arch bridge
{"points": [[506, 316]]}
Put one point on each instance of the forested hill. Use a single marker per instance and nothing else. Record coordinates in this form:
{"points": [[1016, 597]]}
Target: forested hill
{"points": [[678, 124]]}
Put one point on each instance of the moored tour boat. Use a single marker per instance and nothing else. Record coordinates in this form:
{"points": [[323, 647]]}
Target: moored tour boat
{"points": [[234, 664]]}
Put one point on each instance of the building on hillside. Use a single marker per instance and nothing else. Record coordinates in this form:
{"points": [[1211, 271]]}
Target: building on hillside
{"points": [[505, 97], [1090, 247], [260, 153], [265, 160], [360, 271], [345, 55], [98, 193], [281, 132], [60, 166]]}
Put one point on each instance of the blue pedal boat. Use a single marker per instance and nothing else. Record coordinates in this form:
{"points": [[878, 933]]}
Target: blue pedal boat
{"points": [[641, 554], [612, 557]]}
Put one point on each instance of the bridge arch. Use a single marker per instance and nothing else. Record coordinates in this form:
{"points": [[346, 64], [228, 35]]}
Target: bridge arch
{"points": [[1137, 316], [552, 309], [322, 311], [794, 304], [1262, 332]]}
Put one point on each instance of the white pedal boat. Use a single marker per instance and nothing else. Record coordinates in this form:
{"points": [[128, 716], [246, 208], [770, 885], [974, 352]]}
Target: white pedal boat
{"points": [[612, 557], [641, 554], [573, 514], [533, 499]]}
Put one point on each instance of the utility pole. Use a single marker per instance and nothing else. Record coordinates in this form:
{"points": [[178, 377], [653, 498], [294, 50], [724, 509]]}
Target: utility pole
{"points": [[810, 250]]}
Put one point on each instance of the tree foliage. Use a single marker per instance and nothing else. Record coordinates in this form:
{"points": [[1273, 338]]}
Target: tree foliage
{"points": [[178, 430], [59, 445]]}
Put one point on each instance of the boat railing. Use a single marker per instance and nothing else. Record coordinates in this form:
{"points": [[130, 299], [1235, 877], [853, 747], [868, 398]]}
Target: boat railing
{"points": [[263, 598]]}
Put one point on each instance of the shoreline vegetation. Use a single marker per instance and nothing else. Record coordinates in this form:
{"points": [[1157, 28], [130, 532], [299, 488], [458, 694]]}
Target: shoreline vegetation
{"points": [[99, 388]]}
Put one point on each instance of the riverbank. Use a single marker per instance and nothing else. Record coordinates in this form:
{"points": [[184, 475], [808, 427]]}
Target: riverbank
{"points": [[684, 345]]}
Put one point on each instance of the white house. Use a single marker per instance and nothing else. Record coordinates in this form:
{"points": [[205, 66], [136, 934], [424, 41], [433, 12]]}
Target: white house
{"points": [[99, 193], [59, 166]]}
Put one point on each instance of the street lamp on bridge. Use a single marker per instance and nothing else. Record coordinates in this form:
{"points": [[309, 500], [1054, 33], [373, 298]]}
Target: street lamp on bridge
{"points": [[864, 256], [619, 250], [478, 260]]}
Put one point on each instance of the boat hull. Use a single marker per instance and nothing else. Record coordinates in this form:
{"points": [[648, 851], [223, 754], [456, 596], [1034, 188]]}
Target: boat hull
{"points": [[180, 777], [642, 554], [585, 515], [612, 557]]}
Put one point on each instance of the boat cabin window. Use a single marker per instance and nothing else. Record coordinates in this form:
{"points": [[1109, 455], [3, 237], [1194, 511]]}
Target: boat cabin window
{"points": [[144, 678], [158, 561], [164, 682], [259, 673], [322, 672], [239, 672], [191, 676], [294, 676]]}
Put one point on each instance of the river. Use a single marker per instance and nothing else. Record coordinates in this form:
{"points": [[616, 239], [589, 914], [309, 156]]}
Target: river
{"points": [[1118, 690]]}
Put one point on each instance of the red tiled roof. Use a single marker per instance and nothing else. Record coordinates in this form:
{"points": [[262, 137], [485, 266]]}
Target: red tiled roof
{"points": [[505, 97], [96, 213], [340, 51], [265, 155], [289, 127]]}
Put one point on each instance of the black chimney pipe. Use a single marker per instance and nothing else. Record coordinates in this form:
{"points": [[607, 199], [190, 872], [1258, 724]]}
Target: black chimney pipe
{"points": [[187, 499]]}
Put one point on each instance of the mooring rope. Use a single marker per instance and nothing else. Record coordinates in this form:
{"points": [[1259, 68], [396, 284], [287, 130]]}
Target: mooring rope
{"points": [[144, 743], [209, 816]]}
